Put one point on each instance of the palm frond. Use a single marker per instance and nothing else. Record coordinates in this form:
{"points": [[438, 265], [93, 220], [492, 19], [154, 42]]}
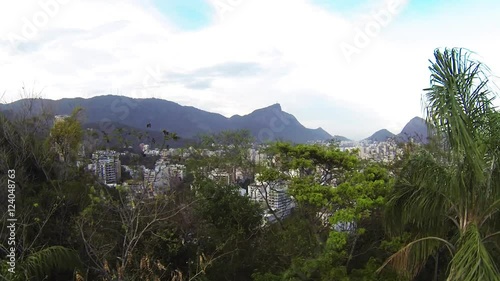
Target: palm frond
{"points": [[44, 262], [458, 180], [421, 197], [472, 261], [457, 103], [409, 260]]}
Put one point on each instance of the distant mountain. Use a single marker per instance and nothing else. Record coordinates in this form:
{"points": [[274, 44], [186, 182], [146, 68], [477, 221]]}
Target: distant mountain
{"points": [[340, 138], [381, 135], [272, 123], [415, 129], [269, 123]]}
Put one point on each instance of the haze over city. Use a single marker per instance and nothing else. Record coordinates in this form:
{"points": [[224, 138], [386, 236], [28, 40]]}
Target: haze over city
{"points": [[350, 67]]}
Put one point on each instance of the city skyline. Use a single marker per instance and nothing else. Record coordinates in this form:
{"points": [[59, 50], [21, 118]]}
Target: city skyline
{"points": [[232, 57]]}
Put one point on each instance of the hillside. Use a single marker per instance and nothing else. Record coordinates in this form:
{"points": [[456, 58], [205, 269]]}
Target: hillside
{"points": [[340, 138], [381, 135], [415, 129], [266, 124]]}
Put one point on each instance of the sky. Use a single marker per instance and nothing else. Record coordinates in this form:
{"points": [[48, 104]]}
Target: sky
{"points": [[351, 67]]}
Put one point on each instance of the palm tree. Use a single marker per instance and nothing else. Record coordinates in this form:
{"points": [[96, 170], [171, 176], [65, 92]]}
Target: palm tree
{"points": [[448, 197], [39, 265]]}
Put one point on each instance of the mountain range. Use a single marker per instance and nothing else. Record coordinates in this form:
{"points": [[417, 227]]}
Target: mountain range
{"points": [[415, 129], [266, 124]]}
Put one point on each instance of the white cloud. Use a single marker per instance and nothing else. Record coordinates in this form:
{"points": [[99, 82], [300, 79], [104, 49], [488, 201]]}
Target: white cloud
{"points": [[95, 47]]}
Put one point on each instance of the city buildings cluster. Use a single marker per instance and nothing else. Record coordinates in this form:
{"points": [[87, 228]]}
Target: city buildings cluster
{"points": [[166, 175], [107, 166], [384, 151]]}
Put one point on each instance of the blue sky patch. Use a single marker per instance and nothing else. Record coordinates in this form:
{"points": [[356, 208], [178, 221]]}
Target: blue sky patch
{"points": [[347, 6], [186, 14]]}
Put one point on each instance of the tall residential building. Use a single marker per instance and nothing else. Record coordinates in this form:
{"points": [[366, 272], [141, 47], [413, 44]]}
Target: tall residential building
{"points": [[149, 176], [176, 171], [220, 177], [167, 175], [273, 197], [107, 166]]}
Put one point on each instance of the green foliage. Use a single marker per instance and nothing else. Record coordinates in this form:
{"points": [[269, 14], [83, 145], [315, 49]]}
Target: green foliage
{"points": [[228, 223], [316, 160], [266, 277], [448, 195], [46, 201], [472, 251], [441, 202], [44, 263], [340, 199], [223, 152], [66, 135]]}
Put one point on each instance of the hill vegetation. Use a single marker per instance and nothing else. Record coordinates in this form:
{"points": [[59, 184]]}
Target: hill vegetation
{"points": [[432, 214]]}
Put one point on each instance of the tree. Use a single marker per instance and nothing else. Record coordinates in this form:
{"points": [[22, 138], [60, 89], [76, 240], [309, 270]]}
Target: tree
{"points": [[66, 136], [115, 227], [223, 153], [45, 203], [338, 216], [448, 197], [227, 227]]}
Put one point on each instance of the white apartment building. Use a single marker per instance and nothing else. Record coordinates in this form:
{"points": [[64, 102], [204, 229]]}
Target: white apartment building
{"points": [[168, 173], [176, 171], [107, 167], [256, 156], [273, 197], [149, 176], [220, 176]]}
